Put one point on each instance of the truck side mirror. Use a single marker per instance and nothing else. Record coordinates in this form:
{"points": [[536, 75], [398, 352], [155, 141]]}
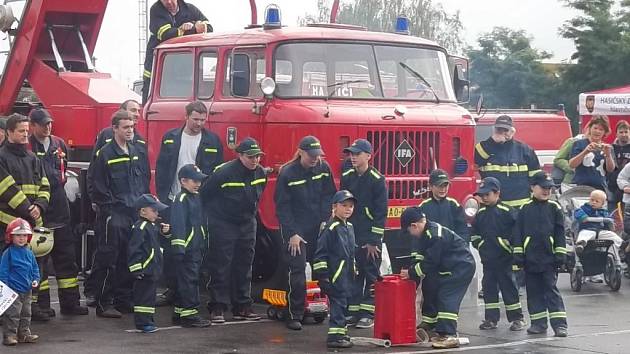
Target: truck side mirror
{"points": [[240, 75], [461, 84]]}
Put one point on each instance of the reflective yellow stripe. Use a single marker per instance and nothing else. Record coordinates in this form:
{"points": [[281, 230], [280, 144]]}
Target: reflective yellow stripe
{"points": [[186, 313], [474, 238], [338, 272], [296, 183], [320, 265], [182, 197], [561, 314], [480, 244], [513, 307], [143, 309], [504, 244], [161, 30], [538, 316], [190, 236], [367, 307], [144, 223], [354, 308], [481, 151], [168, 141], [378, 230], [17, 199], [561, 250], [445, 273], [492, 305], [429, 319], [147, 74], [375, 174], [258, 181], [418, 269], [45, 182], [333, 225], [219, 166], [454, 201], [319, 176], [517, 203], [30, 189], [44, 195], [68, 283], [146, 263], [334, 330], [7, 182], [178, 242], [6, 218], [135, 267], [504, 169], [503, 207], [120, 159], [518, 250], [44, 285], [527, 239], [533, 172], [210, 150], [347, 172], [233, 184], [41, 153], [447, 316], [369, 215], [141, 141]]}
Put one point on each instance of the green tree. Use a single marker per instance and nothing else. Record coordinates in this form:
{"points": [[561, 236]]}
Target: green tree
{"points": [[426, 18], [509, 72]]}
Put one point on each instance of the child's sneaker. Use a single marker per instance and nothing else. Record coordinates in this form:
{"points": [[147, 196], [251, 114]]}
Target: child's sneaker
{"points": [[246, 315], [149, 329], [517, 325], [486, 324], [10, 340], [28, 338], [365, 323]]}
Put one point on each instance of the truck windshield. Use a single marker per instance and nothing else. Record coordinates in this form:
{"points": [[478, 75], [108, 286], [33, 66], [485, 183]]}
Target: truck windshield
{"points": [[362, 71]]}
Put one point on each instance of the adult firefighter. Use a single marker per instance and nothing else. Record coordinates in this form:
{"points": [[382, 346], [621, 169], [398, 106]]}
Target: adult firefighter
{"points": [[118, 180], [24, 188], [169, 19], [231, 196], [510, 161], [52, 152], [190, 144]]}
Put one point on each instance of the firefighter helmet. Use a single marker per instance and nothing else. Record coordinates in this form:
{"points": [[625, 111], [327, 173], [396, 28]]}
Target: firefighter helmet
{"points": [[18, 227]]}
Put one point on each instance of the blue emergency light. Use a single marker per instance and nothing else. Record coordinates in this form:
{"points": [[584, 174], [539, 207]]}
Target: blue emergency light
{"points": [[272, 17], [402, 25]]}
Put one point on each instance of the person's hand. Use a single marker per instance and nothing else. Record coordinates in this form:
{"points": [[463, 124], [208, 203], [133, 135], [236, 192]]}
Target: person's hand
{"points": [[626, 189], [294, 245], [186, 26], [35, 284], [607, 150], [591, 147], [404, 273], [34, 211], [373, 252], [200, 27], [165, 228]]}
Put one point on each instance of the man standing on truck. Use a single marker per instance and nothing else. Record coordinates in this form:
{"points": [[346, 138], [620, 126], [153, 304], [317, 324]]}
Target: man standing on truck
{"points": [[118, 180], [52, 152], [190, 144], [169, 19], [508, 160], [18, 168]]}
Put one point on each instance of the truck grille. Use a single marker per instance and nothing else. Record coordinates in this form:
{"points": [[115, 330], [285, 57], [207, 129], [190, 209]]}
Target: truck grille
{"points": [[425, 144], [415, 189]]}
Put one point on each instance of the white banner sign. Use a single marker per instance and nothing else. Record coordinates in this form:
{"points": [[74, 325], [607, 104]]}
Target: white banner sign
{"points": [[610, 104], [7, 297]]}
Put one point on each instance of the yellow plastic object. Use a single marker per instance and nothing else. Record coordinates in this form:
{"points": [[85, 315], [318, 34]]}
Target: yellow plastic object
{"points": [[275, 297]]}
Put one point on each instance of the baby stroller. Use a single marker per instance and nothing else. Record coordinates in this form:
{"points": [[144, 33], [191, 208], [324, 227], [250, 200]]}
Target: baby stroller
{"points": [[598, 256]]}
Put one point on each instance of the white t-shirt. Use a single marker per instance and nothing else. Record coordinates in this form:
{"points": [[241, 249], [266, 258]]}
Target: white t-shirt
{"points": [[187, 155]]}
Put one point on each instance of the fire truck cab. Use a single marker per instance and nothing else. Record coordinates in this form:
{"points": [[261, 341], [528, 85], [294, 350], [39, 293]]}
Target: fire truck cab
{"points": [[337, 82]]}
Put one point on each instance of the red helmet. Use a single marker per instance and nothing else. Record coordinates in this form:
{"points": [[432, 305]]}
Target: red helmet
{"points": [[18, 227]]}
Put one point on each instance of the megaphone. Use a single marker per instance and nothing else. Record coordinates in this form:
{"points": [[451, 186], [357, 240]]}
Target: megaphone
{"points": [[6, 18]]}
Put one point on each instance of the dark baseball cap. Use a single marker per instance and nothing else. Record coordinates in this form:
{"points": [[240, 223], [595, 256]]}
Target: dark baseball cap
{"points": [[504, 121], [148, 200], [438, 177], [342, 196], [311, 145], [40, 116], [191, 171], [487, 185], [358, 146], [542, 179], [411, 215], [249, 146]]}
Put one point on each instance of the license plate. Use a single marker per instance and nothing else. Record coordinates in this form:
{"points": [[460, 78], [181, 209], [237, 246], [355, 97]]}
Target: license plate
{"points": [[318, 307], [395, 211]]}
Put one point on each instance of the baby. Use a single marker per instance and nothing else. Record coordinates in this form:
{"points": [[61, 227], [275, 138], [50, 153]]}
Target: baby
{"points": [[594, 219]]}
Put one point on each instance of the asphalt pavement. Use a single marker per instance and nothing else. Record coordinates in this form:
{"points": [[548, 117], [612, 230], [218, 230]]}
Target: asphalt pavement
{"points": [[599, 322]]}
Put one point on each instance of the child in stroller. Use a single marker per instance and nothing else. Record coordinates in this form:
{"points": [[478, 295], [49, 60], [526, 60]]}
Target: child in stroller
{"points": [[595, 222]]}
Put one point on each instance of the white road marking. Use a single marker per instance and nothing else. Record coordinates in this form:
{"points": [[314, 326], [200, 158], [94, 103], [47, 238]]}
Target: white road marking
{"points": [[213, 325], [520, 342]]}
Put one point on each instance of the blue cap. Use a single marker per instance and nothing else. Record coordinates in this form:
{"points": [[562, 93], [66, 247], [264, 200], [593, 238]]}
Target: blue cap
{"points": [[359, 145], [191, 171], [438, 177], [40, 116], [411, 215], [148, 200], [311, 145], [504, 121], [342, 196], [487, 185], [542, 179], [249, 147]]}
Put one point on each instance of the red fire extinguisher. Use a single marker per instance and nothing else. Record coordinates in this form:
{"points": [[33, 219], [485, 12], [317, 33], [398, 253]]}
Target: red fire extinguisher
{"points": [[61, 156]]}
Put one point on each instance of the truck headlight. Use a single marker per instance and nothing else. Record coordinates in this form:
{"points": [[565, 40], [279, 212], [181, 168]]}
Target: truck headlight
{"points": [[471, 207]]}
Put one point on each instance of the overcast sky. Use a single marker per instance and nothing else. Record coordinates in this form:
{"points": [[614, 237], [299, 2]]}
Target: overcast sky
{"points": [[117, 48]]}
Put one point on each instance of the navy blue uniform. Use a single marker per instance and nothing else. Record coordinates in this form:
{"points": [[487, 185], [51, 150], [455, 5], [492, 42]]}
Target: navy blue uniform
{"points": [[118, 180], [231, 196], [492, 235], [144, 259], [334, 268], [512, 163], [448, 213], [63, 254], [540, 246], [303, 200], [187, 243], [368, 219], [163, 26], [441, 253]]}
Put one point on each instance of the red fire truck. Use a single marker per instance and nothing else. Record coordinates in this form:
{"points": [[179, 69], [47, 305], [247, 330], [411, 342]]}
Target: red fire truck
{"points": [[272, 82]]}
